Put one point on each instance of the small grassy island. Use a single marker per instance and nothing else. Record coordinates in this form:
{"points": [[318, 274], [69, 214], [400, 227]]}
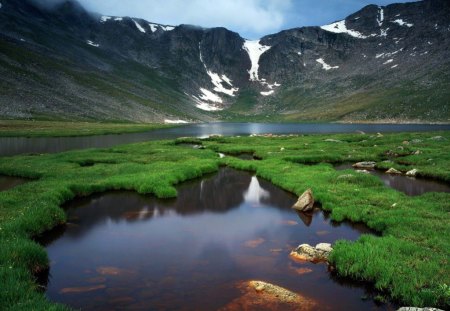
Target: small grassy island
{"points": [[407, 262]]}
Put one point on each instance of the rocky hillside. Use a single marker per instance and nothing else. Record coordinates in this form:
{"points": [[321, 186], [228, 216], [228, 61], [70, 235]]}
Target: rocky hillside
{"points": [[380, 63]]}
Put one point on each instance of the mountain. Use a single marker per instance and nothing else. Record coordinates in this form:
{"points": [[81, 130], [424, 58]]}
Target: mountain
{"points": [[380, 63]]}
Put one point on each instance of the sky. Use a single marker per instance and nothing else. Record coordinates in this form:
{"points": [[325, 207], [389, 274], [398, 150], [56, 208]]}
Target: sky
{"points": [[252, 19]]}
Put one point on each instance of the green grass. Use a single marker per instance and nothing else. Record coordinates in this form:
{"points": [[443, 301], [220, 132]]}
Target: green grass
{"points": [[408, 262], [16, 128]]}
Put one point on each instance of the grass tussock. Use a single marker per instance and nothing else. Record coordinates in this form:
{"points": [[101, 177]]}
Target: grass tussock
{"points": [[408, 261]]}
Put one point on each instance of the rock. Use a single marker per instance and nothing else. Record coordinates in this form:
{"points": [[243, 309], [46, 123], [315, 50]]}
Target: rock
{"points": [[305, 201], [405, 142], [412, 173], [330, 140], [393, 171], [198, 147], [282, 149], [306, 252], [416, 141], [361, 132], [346, 177], [259, 295], [418, 309], [221, 155], [437, 138], [367, 165], [363, 171], [379, 135], [417, 152], [84, 289]]}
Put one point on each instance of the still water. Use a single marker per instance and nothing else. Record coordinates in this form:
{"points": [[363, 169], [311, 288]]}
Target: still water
{"points": [[122, 250], [19, 145], [9, 182], [411, 186]]}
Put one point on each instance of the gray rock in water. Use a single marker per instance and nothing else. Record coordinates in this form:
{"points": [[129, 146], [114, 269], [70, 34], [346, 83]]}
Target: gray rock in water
{"points": [[412, 173], [393, 171], [305, 201], [367, 165], [315, 254]]}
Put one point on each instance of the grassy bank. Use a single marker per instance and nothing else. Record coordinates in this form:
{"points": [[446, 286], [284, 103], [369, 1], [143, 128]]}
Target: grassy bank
{"points": [[408, 262], [18, 128]]}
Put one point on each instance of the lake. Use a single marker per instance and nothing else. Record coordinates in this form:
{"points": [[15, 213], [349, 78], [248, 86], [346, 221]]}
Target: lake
{"points": [[19, 145]]}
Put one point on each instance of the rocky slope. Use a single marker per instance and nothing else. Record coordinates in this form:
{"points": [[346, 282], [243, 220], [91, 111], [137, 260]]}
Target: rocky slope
{"points": [[389, 63]]}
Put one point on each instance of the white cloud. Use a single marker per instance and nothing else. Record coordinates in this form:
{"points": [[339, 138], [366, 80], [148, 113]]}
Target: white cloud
{"points": [[252, 18]]}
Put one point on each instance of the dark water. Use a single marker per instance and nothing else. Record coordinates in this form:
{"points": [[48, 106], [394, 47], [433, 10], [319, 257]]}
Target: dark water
{"points": [[138, 252], [18, 145], [411, 186], [8, 182]]}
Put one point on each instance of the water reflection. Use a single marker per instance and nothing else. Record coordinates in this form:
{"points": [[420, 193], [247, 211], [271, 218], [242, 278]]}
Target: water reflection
{"points": [[409, 185], [124, 250], [19, 145]]}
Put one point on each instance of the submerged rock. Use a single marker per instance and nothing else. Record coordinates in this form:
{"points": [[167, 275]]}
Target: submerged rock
{"points": [[306, 252], [259, 295], [305, 201], [367, 165], [412, 173], [393, 171]]}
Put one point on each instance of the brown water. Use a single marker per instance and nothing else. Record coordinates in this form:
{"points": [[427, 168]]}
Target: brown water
{"points": [[122, 250], [9, 182], [411, 186]]}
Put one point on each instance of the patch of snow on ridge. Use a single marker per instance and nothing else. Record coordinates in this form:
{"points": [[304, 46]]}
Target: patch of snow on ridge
{"points": [[92, 43], [153, 27], [167, 28], [168, 121], [139, 26], [118, 19], [388, 61], [325, 65], [0, 5], [340, 27], [254, 50], [205, 106], [210, 96], [267, 93], [218, 80], [380, 17], [401, 22], [104, 18]]}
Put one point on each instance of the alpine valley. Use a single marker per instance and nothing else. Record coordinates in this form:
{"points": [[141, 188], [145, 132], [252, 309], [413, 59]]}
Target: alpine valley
{"points": [[387, 64]]}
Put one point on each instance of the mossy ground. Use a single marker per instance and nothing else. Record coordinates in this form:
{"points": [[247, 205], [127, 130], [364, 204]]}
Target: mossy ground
{"points": [[11, 128], [408, 262]]}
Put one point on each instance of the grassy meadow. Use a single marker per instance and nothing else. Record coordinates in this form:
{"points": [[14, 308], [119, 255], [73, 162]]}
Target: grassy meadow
{"points": [[15, 128], [408, 262]]}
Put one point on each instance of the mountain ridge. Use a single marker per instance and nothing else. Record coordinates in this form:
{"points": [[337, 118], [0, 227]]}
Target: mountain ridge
{"points": [[81, 65]]}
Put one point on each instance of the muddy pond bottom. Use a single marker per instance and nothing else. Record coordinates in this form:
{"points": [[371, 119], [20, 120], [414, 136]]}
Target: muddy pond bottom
{"points": [[122, 250]]}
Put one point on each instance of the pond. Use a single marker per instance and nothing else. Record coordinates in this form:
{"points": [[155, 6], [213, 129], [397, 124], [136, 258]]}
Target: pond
{"points": [[125, 250], [411, 186], [19, 145]]}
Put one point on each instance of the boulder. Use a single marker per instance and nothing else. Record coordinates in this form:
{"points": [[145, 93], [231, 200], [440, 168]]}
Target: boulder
{"points": [[330, 140], [393, 171], [412, 173], [366, 165], [305, 201], [306, 252], [260, 295]]}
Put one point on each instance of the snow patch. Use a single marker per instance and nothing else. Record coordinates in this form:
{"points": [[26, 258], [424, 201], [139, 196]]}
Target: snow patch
{"points": [[254, 50], [139, 26], [118, 19], [325, 66], [340, 27], [218, 80], [153, 27], [267, 93], [395, 66], [380, 17], [104, 18], [299, 53], [167, 28], [92, 43], [383, 32], [403, 23], [0, 5], [210, 96], [168, 121], [205, 106], [388, 61]]}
